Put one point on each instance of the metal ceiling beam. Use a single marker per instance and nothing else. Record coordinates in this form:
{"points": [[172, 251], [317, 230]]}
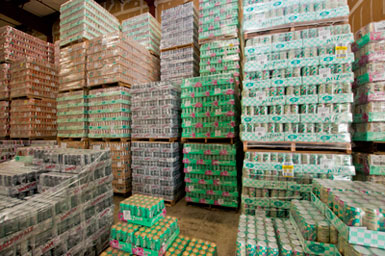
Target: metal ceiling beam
{"points": [[151, 6], [43, 25]]}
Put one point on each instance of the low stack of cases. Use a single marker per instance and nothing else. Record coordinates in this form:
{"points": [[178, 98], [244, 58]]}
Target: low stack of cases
{"points": [[33, 88], [72, 114], [370, 83], [80, 20], [68, 218], [121, 162], [220, 47], [156, 115], [144, 29], [179, 55], [117, 58], [370, 167], [15, 44]]}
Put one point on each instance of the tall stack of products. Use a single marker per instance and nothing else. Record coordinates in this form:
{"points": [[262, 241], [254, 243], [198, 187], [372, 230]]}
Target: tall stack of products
{"points": [[220, 48], [33, 90], [81, 20], [296, 93], [156, 116], [117, 58], [144, 29], [66, 218], [144, 228], [370, 83], [121, 163], [179, 57], [4, 97], [210, 109]]}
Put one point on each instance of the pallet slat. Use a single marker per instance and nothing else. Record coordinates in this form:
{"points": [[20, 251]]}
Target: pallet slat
{"points": [[296, 146]]}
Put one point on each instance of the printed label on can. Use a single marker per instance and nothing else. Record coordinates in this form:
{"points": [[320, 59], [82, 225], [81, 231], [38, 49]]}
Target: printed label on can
{"points": [[217, 90], [341, 51], [262, 59], [260, 131], [127, 215], [218, 111], [323, 111], [327, 164], [324, 33], [288, 169], [260, 95], [325, 72]]}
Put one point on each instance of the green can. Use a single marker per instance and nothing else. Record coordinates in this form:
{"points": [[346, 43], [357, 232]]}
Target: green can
{"points": [[273, 249], [261, 248], [286, 249]]}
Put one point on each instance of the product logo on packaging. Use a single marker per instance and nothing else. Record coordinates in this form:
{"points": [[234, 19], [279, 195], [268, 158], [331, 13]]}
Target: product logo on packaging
{"points": [[279, 82], [325, 13], [317, 248], [325, 137], [251, 50], [328, 59], [295, 62], [292, 18], [293, 137], [277, 3], [277, 118], [248, 119]]}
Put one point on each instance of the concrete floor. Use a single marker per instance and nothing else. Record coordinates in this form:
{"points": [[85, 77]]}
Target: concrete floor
{"points": [[212, 224]]}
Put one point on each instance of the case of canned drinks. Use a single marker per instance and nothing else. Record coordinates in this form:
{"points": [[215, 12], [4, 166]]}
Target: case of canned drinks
{"points": [[81, 20], [109, 113], [210, 107], [72, 72], [144, 29], [266, 14], [72, 217], [117, 58], [72, 116], [33, 78], [179, 26], [211, 174], [15, 44], [155, 110], [156, 169], [33, 118], [121, 163], [370, 167], [260, 235], [4, 118]]}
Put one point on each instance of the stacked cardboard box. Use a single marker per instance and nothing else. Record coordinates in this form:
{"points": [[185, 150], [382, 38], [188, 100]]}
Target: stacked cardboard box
{"points": [[81, 20], [117, 58], [121, 163], [179, 55], [4, 81], [4, 118], [144, 29]]}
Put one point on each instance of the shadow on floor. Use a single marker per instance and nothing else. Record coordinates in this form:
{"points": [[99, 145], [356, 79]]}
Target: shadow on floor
{"points": [[212, 224]]}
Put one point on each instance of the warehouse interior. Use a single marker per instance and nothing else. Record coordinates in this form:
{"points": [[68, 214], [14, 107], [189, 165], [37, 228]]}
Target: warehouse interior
{"points": [[192, 127]]}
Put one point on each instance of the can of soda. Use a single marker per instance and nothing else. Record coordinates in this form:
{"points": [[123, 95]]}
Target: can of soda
{"points": [[306, 71], [294, 108], [313, 70]]}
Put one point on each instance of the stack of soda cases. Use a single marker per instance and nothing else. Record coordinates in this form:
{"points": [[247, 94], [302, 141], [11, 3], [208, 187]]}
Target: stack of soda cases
{"points": [[85, 20], [70, 217], [144, 227], [268, 15], [117, 58], [15, 44], [4, 118], [272, 179], [33, 118], [33, 78], [4, 81], [258, 235], [179, 49], [220, 48], [156, 169], [370, 167], [109, 113], [155, 110], [121, 163], [144, 29], [297, 86], [369, 87], [72, 114], [72, 73], [211, 174], [210, 107]]}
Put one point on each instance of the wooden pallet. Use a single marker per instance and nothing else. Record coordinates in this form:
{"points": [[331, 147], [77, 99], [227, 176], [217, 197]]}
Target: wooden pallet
{"points": [[155, 139], [178, 47], [73, 142], [108, 85], [154, 53], [74, 42], [249, 146], [297, 27], [369, 146], [213, 207], [34, 138], [210, 140], [72, 90], [171, 203], [110, 139], [35, 97], [217, 38]]}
